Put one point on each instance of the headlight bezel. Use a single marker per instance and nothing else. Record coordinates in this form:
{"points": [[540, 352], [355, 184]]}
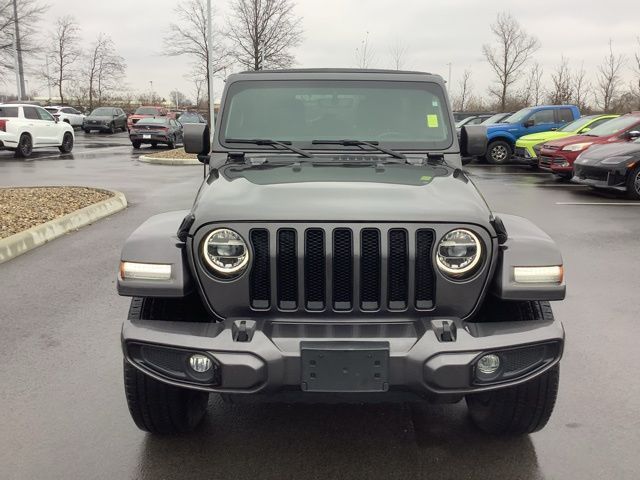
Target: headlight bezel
{"points": [[471, 270], [219, 271]]}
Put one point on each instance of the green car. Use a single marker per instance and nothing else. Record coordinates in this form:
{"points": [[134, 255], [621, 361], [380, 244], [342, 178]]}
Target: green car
{"points": [[524, 146]]}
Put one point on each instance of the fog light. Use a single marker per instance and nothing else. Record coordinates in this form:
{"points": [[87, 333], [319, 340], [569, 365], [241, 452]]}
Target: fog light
{"points": [[200, 363], [489, 364]]}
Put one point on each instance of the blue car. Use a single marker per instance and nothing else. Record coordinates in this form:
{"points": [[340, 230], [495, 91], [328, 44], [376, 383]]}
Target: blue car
{"points": [[501, 137]]}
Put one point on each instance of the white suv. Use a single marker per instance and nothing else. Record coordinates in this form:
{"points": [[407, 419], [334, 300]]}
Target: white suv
{"points": [[25, 127], [67, 114]]}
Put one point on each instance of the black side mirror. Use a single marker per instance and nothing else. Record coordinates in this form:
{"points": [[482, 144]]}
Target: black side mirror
{"points": [[196, 139], [632, 135], [529, 123], [473, 140]]}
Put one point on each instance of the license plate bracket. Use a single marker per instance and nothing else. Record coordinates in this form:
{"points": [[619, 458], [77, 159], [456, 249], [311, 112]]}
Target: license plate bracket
{"points": [[345, 366], [146, 136]]}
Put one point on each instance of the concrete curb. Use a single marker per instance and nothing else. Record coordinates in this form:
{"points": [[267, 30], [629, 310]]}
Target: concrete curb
{"points": [[34, 237], [169, 161]]}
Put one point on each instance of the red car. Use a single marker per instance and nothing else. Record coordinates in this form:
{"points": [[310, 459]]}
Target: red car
{"points": [[558, 156], [145, 112]]}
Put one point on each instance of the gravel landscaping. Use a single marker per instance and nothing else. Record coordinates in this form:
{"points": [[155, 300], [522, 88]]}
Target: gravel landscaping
{"points": [[25, 207], [176, 153]]}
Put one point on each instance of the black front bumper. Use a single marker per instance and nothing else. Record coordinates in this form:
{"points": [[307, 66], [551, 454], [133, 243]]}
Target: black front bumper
{"points": [[268, 356], [609, 177]]}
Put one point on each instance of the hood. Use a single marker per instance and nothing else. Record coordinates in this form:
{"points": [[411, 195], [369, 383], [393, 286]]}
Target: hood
{"points": [[350, 193], [600, 152], [544, 136], [576, 139], [99, 117]]}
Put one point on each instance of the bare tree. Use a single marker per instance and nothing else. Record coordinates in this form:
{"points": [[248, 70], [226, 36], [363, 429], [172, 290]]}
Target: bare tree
{"points": [[581, 88], [532, 93], [64, 53], [561, 91], [104, 69], [263, 33], [609, 78], [514, 48], [365, 54], [398, 53], [29, 15], [464, 91], [635, 83], [198, 86], [188, 36]]}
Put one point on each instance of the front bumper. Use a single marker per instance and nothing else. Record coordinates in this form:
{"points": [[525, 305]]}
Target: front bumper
{"points": [[524, 153], [103, 127], [557, 161], [268, 358], [613, 177]]}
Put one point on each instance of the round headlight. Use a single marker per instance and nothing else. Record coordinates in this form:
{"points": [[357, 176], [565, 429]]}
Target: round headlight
{"points": [[225, 252], [459, 253]]}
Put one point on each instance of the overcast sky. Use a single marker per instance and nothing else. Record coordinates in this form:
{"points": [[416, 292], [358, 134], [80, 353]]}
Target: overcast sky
{"points": [[435, 32]]}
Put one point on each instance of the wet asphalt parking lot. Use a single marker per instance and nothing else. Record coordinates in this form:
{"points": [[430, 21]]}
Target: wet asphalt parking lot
{"points": [[64, 415]]}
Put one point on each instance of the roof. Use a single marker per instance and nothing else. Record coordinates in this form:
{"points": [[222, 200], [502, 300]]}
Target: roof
{"points": [[336, 70]]}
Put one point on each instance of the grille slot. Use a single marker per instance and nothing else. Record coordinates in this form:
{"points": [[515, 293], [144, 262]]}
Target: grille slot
{"points": [[342, 269], [425, 281], [260, 277], [287, 261], [398, 269], [314, 269], [370, 269]]}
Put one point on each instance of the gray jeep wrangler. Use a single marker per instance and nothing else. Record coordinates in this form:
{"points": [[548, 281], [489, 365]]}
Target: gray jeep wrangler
{"points": [[336, 251]]}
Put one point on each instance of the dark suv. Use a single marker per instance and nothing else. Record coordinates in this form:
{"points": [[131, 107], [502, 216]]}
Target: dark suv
{"points": [[336, 251]]}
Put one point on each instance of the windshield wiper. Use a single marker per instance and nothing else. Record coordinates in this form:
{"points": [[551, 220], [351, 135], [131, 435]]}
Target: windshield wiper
{"points": [[359, 143], [267, 141]]}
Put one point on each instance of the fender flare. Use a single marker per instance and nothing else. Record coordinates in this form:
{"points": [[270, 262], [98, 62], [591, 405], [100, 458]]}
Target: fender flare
{"points": [[156, 241], [526, 246]]}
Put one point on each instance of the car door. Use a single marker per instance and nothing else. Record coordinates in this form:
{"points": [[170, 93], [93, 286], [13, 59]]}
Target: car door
{"points": [[75, 117], [35, 126], [122, 118], [541, 121], [52, 131]]}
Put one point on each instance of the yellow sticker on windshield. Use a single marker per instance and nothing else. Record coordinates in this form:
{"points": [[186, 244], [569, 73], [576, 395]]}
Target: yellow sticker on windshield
{"points": [[425, 178], [432, 121]]}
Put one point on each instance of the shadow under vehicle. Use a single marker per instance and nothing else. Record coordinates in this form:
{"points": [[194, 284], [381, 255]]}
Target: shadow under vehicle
{"points": [[336, 252]]}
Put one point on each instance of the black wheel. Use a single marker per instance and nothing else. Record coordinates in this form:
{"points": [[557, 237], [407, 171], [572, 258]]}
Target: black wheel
{"points": [[25, 146], [86, 130], [523, 408], [155, 406], [67, 143], [498, 152], [154, 145], [136, 145], [633, 184], [112, 128], [171, 143]]}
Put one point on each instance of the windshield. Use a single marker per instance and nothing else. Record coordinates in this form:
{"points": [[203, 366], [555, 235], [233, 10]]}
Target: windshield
{"points": [[576, 124], [408, 115], [52, 109], [147, 111], [614, 126], [497, 118], [519, 116], [102, 112]]}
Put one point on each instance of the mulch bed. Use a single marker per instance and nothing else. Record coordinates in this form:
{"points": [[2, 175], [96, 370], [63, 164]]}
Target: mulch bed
{"points": [[24, 207], [176, 153]]}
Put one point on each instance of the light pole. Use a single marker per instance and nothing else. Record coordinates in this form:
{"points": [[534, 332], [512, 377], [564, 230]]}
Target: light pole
{"points": [[210, 68]]}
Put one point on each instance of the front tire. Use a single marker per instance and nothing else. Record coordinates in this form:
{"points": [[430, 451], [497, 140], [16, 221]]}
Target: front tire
{"points": [[633, 184], [523, 408], [112, 128], [136, 145], [498, 152], [25, 146], [155, 406], [67, 143]]}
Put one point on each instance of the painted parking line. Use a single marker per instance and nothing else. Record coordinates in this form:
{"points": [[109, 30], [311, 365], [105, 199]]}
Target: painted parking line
{"points": [[626, 204]]}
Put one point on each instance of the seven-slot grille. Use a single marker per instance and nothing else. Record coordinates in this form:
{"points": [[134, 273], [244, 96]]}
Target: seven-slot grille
{"points": [[342, 269]]}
